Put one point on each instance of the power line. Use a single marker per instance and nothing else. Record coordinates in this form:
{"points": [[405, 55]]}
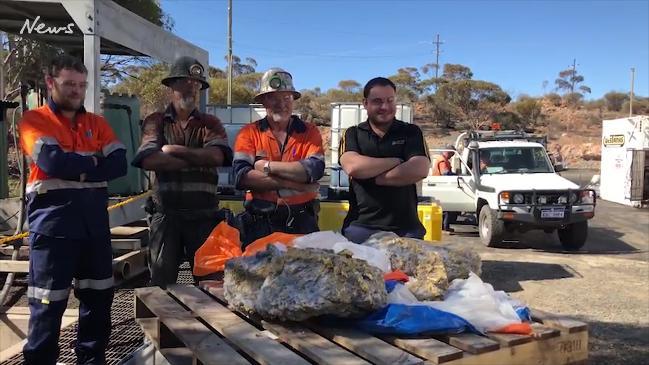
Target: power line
{"points": [[323, 55]]}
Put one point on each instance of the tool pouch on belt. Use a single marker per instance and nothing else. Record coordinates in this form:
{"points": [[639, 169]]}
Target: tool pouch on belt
{"points": [[254, 222]]}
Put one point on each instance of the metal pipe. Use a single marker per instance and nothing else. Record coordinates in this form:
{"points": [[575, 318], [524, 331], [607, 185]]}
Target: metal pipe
{"points": [[229, 101], [631, 96], [22, 165]]}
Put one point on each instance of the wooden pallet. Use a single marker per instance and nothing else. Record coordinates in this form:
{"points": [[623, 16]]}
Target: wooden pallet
{"points": [[191, 325]]}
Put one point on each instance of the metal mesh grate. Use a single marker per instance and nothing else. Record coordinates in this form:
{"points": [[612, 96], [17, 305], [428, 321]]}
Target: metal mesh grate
{"points": [[126, 335], [185, 274]]}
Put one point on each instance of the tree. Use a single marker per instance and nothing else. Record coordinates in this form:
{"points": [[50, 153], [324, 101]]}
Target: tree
{"points": [[146, 83], [407, 81], [573, 100], [553, 98], [350, 86], [149, 10], [251, 81], [454, 72], [216, 73], [242, 68], [241, 94], [478, 101], [615, 100], [442, 112], [509, 120], [529, 110], [640, 106], [569, 80]]}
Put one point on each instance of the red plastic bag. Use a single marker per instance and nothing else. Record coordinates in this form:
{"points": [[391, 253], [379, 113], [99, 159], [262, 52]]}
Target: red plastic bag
{"points": [[397, 275], [261, 243], [221, 245]]}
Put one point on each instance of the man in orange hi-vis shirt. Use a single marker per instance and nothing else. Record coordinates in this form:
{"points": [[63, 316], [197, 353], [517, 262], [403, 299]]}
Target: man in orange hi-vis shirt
{"points": [[278, 160], [73, 154]]}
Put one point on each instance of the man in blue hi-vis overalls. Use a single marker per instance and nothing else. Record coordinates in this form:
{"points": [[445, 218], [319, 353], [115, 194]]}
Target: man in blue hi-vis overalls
{"points": [[73, 154]]}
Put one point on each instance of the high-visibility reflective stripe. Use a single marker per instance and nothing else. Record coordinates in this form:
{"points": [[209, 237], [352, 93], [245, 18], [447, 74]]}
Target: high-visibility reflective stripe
{"points": [[285, 193], [48, 294], [112, 147], [96, 284], [38, 145], [187, 187], [42, 186], [149, 146], [217, 142], [288, 192], [50, 141], [245, 157], [85, 153]]}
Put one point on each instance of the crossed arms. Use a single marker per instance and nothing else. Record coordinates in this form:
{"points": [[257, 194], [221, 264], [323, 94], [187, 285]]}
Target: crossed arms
{"points": [[387, 171]]}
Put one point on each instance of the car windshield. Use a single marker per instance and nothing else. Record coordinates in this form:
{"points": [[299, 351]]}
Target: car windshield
{"points": [[513, 160]]}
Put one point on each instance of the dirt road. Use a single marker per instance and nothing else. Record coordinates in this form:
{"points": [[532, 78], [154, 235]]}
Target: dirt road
{"points": [[606, 284]]}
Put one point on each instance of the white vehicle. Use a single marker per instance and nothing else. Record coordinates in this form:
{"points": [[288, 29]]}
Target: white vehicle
{"points": [[514, 188]]}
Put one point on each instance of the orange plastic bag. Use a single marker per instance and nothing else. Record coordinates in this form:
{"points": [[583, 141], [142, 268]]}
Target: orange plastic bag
{"points": [[221, 245], [516, 328], [261, 243]]}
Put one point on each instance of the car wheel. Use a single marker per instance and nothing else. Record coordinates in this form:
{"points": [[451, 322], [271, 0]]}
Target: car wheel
{"points": [[492, 229], [573, 236]]}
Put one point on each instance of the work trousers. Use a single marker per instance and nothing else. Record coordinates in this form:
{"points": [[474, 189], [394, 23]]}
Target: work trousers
{"points": [[53, 264]]}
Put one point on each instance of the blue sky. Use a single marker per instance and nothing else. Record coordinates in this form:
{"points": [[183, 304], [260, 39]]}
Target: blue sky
{"points": [[516, 44]]}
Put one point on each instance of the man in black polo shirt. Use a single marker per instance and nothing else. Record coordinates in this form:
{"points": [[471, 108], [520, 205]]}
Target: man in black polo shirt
{"points": [[384, 158]]}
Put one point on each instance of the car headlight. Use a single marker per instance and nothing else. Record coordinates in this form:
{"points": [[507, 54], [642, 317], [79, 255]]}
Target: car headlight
{"points": [[504, 197], [519, 198], [573, 197], [587, 197], [563, 199]]}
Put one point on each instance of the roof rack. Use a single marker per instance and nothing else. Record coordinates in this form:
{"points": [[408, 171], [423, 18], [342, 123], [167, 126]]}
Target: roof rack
{"points": [[506, 135]]}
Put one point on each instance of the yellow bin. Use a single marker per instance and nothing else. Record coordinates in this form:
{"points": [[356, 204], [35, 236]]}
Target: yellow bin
{"points": [[333, 213]]}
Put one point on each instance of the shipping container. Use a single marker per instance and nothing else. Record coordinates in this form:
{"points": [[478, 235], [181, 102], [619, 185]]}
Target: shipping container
{"points": [[625, 161]]}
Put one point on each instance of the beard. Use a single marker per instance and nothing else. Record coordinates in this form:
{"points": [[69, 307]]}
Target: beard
{"points": [[187, 102], [280, 117], [69, 103]]}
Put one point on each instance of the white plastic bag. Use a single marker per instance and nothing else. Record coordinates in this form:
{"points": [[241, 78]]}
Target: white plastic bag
{"points": [[478, 303], [329, 240], [402, 295], [324, 240], [371, 255]]}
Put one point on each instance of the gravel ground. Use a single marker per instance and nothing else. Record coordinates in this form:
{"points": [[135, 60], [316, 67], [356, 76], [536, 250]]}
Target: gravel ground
{"points": [[606, 284]]}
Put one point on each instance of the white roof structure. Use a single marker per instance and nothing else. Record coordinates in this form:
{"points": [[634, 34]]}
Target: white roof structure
{"points": [[99, 27]]}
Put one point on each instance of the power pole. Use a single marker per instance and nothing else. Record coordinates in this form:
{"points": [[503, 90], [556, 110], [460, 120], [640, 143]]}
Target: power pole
{"points": [[631, 99], [437, 44], [574, 74], [2, 67], [229, 52]]}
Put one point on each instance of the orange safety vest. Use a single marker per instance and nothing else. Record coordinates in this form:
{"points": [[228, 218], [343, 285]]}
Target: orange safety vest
{"points": [[437, 165], [43, 127], [256, 141]]}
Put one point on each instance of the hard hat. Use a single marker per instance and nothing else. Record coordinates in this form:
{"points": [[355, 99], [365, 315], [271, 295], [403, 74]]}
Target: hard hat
{"points": [[274, 80], [186, 68]]}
